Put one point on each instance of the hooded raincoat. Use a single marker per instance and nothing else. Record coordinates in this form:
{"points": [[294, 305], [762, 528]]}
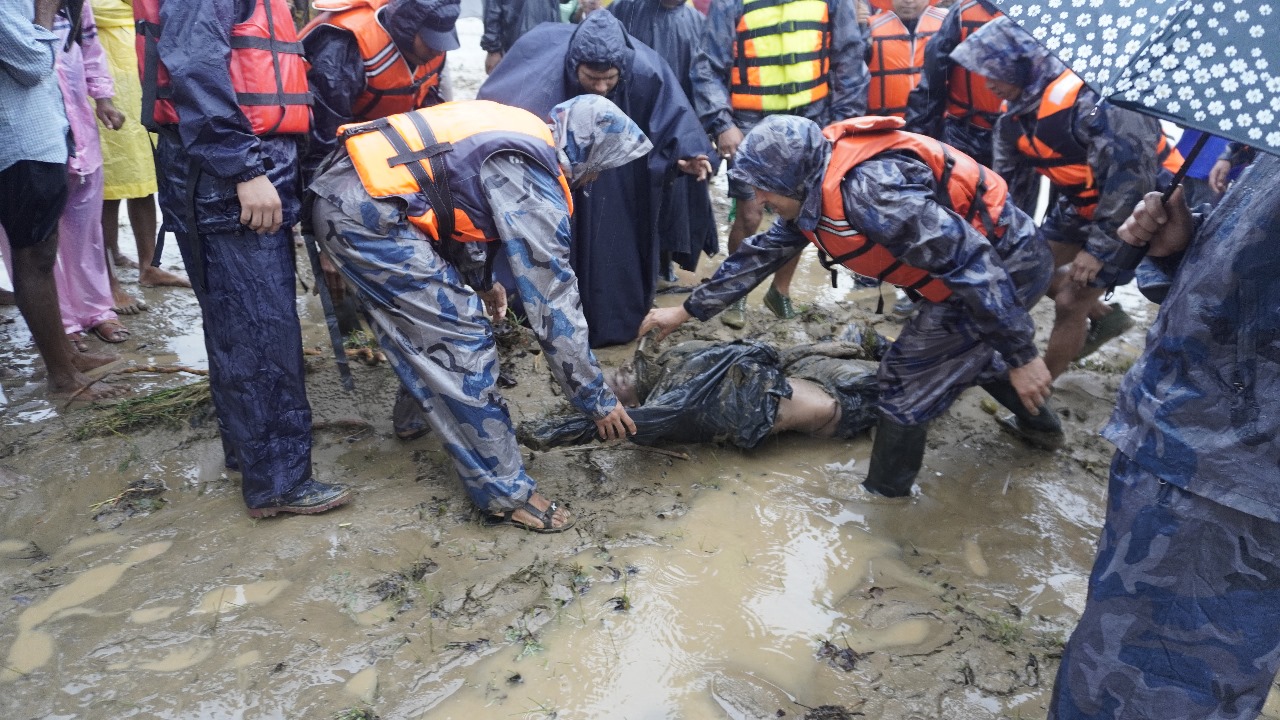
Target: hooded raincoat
{"points": [[247, 295], [1183, 613], [432, 326], [1121, 143], [617, 221], [506, 21], [971, 338], [675, 33]]}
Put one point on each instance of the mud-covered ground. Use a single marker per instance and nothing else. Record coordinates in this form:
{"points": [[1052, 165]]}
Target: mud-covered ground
{"points": [[699, 582]]}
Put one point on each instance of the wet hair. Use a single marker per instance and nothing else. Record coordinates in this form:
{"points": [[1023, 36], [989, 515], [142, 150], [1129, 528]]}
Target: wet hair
{"points": [[600, 67]]}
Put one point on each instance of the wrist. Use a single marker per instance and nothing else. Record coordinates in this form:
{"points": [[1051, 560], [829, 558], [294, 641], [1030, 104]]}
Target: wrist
{"points": [[247, 175]]}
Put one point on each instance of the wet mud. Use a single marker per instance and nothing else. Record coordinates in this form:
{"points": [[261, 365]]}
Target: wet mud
{"points": [[699, 582]]}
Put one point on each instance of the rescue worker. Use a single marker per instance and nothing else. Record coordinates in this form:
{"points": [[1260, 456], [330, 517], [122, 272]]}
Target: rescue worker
{"points": [[756, 68], [951, 103], [896, 42], [227, 160], [505, 21], [932, 220], [373, 58], [1182, 619], [508, 180], [1099, 158]]}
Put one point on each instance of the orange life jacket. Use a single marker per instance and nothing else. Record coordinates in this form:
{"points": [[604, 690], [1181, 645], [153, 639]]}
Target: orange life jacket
{"points": [[968, 97], [390, 87], [897, 59], [781, 55], [430, 158], [967, 188], [1049, 144], [879, 6], [1168, 154], [268, 72]]}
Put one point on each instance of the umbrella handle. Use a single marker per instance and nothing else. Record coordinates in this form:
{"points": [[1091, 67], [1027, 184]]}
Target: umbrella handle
{"points": [[1130, 256]]}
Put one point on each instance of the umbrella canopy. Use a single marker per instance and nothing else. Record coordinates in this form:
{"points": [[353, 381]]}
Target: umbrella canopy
{"points": [[1213, 66]]}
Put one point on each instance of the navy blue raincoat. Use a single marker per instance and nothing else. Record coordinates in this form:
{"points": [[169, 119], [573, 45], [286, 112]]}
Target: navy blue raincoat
{"points": [[247, 292], [505, 21], [688, 223], [617, 232]]}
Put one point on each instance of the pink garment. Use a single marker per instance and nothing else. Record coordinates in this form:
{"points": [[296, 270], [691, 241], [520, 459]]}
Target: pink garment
{"points": [[84, 288]]}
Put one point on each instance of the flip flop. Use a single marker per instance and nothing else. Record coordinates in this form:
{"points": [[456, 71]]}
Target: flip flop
{"points": [[543, 516], [111, 331]]}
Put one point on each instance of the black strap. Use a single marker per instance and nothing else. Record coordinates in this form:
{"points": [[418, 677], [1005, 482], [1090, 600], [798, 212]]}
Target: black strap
{"points": [[150, 34], [434, 187], [273, 99], [783, 89], [271, 44], [787, 26], [788, 59]]}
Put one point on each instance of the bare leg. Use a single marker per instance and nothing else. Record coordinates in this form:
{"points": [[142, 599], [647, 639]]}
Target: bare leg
{"points": [[37, 299], [1073, 305], [746, 223], [782, 278], [142, 218], [111, 234]]}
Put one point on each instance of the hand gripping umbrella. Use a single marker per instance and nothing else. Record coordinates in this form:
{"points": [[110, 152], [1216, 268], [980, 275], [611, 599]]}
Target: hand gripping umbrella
{"points": [[1210, 65]]}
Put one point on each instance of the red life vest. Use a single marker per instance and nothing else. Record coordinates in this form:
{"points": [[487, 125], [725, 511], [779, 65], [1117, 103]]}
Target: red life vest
{"points": [[1048, 142], [431, 158], [268, 72], [897, 59], [879, 6], [968, 97], [965, 187], [390, 87]]}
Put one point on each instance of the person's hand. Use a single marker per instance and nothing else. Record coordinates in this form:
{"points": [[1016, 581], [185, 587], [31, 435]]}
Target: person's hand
{"points": [[491, 61], [260, 208], [699, 167], [332, 279], [495, 302], [1084, 268], [727, 142], [1219, 176], [107, 113], [1164, 229], [1033, 383], [616, 425], [664, 320]]}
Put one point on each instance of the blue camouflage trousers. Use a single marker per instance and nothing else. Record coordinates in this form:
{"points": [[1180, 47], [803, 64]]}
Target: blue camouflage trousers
{"points": [[256, 374], [433, 330], [1183, 614]]}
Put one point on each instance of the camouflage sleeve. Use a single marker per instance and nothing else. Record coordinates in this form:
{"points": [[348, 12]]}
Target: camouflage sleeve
{"points": [[1122, 155], [1022, 179], [532, 217], [758, 257], [890, 198]]}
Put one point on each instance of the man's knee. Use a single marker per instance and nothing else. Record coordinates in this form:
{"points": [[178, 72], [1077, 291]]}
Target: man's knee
{"points": [[750, 215]]}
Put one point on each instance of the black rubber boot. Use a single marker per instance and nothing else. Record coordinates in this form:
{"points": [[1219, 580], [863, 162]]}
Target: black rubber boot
{"points": [[1043, 431], [896, 457]]}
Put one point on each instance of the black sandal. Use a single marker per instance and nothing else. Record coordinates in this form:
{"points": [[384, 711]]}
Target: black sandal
{"points": [[542, 516]]}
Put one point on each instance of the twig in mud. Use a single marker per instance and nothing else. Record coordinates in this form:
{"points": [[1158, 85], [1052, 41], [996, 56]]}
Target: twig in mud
{"points": [[161, 369], [166, 406], [12, 669], [624, 446]]}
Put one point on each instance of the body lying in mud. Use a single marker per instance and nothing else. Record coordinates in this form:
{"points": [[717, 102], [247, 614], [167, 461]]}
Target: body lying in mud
{"points": [[737, 393]]}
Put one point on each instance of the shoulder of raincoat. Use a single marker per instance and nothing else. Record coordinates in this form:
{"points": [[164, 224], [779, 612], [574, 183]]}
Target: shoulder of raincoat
{"points": [[213, 134], [526, 71], [336, 76], [1197, 409], [848, 76], [674, 33], [506, 21]]}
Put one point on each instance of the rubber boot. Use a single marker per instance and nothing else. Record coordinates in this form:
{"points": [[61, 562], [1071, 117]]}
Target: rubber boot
{"points": [[1043, 431], [896, 457]]}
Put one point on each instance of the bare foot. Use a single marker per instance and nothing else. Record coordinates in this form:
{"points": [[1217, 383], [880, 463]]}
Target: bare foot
{"points": [[126, 304], [77, 342], [85, 361], [121, 260], [6, 297], [155, 277], [110, 331], [80, 389]]}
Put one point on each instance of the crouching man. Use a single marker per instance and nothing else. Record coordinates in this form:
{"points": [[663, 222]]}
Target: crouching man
{"points": [[414, 209]]}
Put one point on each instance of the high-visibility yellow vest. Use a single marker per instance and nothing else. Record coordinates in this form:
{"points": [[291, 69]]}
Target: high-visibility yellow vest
{"points": [[781, 55]]}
